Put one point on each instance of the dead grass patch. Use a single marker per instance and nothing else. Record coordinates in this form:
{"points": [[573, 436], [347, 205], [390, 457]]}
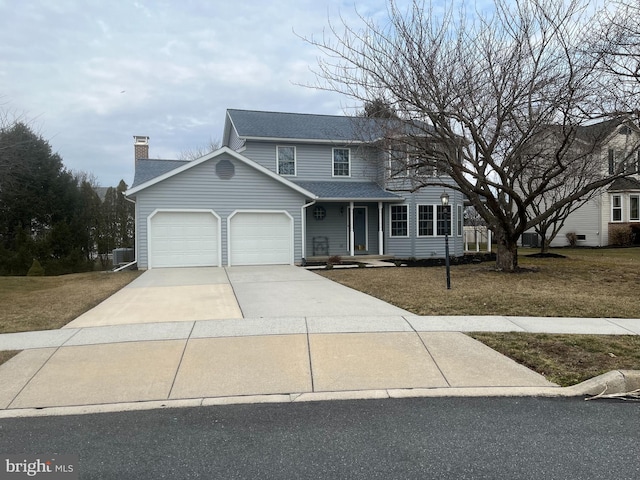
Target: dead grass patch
{"points": [[45, 303], [567, 359]]}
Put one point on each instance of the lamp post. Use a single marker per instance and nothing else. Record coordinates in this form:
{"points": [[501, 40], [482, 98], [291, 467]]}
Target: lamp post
{"points": [[444, 198]]}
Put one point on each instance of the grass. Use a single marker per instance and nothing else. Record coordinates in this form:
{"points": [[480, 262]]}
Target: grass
{"points": [[45, 303], [587, 283]]}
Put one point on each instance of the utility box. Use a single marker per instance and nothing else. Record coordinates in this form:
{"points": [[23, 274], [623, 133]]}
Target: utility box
{"points": [[122, 256]]}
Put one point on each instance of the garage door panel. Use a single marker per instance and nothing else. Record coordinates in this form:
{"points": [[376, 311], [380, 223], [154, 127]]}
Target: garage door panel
{"points": [[260, 238], [183, 239]]}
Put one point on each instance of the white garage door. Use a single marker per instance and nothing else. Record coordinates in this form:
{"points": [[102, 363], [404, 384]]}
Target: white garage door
{"points": [[260, 238], [183, 239]]}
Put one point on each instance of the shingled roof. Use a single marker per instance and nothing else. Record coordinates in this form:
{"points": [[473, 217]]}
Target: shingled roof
{"points": [[303, 126], [348, 191], [147, 169]]}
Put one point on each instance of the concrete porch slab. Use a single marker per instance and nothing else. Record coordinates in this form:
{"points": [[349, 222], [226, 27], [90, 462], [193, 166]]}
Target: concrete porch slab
{"points": [[221, 367], [119, 372], [466, 362], [372, 361]]}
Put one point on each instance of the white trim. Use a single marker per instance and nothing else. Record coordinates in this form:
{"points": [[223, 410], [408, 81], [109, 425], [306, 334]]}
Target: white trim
{"points": [[209, 156], [295, 160], [621, 208], [391, 235], [292, 231], [184, 210], [434, 222], [333, 160]]}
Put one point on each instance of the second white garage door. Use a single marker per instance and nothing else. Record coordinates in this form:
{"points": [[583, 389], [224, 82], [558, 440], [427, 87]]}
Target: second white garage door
{"points": [[260, 238]]}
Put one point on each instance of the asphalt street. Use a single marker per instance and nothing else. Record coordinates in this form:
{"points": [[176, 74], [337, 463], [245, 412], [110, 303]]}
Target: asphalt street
{"points": [[457, 438]]}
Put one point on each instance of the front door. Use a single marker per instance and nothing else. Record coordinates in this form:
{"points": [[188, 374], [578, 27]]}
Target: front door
{"points": [[360, 230]]}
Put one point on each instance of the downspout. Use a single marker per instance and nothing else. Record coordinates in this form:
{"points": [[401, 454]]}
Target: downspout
{"points": [[303, 217]]}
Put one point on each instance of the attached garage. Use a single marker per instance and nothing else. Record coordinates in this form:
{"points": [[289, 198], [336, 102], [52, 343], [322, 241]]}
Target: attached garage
{"points": [[184, 239], [260, 238]]}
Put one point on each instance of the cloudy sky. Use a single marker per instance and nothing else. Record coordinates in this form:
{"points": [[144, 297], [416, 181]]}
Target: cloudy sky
{"points": [[91, 74]]}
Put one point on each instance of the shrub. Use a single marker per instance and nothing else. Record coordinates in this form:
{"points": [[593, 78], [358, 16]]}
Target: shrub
{"points": [[36, 269], [572, 238], [334, 260], [620, 235]]}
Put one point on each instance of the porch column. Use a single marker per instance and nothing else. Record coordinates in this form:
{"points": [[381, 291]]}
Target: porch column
{"points": [[380, 233], [488, 241], [352, 236]]}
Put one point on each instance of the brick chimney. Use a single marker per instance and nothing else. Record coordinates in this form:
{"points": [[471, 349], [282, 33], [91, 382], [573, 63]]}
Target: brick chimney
{"points": [[141, 147]]}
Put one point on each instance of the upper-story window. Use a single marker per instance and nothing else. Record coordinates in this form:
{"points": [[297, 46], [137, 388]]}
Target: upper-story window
{"points": [[407, 161], [623, 161], [341, 162], [286, 160]]}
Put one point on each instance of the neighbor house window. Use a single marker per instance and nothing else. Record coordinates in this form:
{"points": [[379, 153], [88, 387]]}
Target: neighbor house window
{"points": [[425, 220], [399, 220], [286, 160], [634, 208], [616, 208], [341, 162], [442, 221]]}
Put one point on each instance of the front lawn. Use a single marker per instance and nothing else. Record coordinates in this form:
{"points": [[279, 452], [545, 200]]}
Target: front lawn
{"points": [[587, 283]]}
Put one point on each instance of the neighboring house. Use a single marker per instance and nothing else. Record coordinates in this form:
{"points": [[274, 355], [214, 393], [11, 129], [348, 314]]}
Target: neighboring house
{"points": [[614, 211], [285, 188]]}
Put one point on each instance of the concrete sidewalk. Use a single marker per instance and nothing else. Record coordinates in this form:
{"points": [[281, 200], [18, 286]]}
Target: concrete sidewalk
{"points": [[200, 336]]}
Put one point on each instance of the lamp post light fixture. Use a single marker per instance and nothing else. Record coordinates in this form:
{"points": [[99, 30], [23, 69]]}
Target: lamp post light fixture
{"points": [[444, 198]]}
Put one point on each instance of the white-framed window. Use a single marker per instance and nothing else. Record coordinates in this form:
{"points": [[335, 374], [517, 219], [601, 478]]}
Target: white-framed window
{"points": [[426, 221], [634, 208], [616, 208], [341, 162], [286, 160], [443, 223], [399, 220]]}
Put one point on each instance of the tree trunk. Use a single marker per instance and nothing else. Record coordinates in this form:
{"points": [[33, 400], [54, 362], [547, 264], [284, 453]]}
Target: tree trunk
{"points": [[507, 254]]}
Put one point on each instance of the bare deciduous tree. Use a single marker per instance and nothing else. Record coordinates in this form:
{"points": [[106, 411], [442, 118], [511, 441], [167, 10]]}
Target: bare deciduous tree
{"points": [[483, 87], [200, 151]]}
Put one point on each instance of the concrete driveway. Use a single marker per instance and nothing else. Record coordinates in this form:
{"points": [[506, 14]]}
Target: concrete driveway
{"points": [[188, 294], [194, 336]]}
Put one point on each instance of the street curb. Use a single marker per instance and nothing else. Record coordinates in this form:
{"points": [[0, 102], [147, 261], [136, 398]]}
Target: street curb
{"points": [[614, 382]]}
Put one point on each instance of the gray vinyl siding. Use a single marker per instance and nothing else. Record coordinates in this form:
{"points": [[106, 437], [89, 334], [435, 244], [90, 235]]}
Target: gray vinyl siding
{"points": [[200, 188], [315, 162], [424, 247]]}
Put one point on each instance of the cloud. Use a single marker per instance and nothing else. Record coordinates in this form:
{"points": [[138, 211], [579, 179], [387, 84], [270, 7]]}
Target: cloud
{"points": [[96, 73]]}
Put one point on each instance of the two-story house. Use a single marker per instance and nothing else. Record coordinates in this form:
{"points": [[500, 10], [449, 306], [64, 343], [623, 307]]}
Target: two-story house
{"points": [[612, 214], [285, 187]]}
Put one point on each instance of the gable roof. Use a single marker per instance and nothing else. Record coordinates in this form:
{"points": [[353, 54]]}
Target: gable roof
{"points": [[252, 124], [149, 166]]}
